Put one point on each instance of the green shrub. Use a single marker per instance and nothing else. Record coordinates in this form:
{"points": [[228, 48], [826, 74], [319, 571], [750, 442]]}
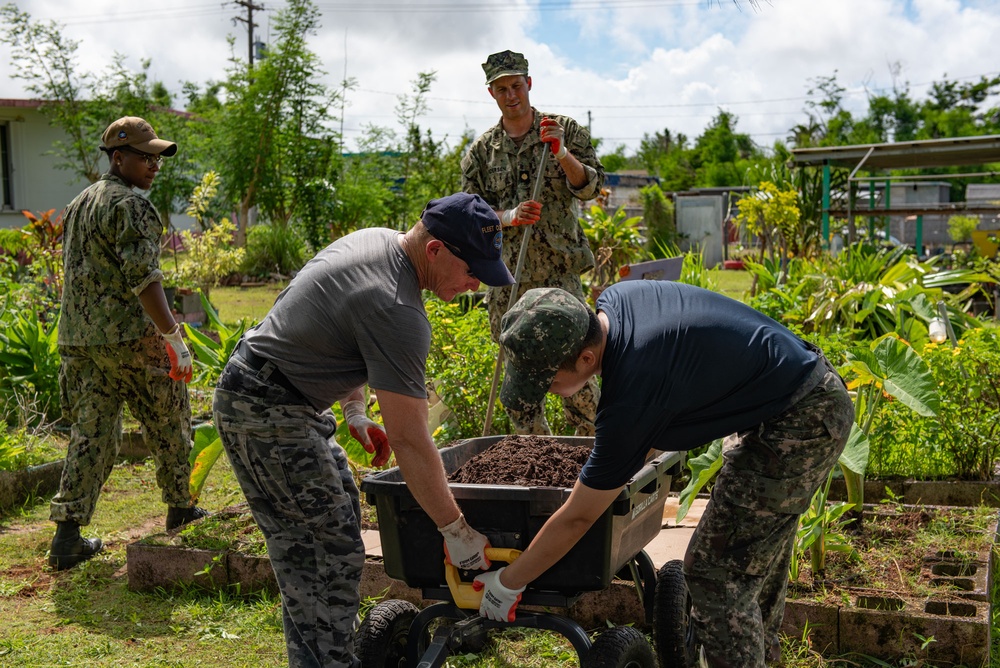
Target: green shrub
{"points": [[19, 449], [964, 439], [29, 369], [273, 249], [461, 364]]}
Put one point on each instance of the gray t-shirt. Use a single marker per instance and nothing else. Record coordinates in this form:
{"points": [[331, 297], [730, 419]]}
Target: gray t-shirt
{"points": [[353, 315]]}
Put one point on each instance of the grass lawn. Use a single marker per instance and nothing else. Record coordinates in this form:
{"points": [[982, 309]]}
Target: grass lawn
{"points": [[87, 616], [735, 284], [235, 303]]}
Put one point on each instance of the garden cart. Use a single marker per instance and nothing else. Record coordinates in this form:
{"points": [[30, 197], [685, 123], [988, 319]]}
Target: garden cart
{"points": [[396, 633]]}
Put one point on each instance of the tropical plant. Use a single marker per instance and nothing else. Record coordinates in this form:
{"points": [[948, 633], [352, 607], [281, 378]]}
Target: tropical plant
{"points": [[772, 216], [46, 234], [888, 368], [869, 291], [821, 529], [960, 228], [460, 366], [211, 256], [273, 249], [210, 358], [29, 369], [615, 240], [212, 353], [658, 219], [963, 439]]}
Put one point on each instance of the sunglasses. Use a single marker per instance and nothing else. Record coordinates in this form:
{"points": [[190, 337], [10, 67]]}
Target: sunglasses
{"points": [[151, 160], [454, 250]]}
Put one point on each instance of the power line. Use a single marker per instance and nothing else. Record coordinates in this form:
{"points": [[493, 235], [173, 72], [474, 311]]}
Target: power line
{"points": [[502, 6]]}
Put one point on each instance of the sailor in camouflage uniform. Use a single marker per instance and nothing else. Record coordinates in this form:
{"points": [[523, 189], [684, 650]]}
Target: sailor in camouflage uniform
{"points": [[353, 316], [681, 366], [118, 342], [501, 166]]}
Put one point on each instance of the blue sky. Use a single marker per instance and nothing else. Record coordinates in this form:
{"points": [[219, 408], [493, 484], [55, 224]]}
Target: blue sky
{"points": [[637, 66]]}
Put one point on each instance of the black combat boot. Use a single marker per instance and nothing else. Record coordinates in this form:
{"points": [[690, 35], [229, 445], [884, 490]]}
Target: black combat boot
{"points": [[178, 517], [69, 548]]}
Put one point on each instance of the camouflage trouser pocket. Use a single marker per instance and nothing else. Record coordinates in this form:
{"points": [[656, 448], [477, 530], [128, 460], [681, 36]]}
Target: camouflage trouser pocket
{"points": [[282, 457]]}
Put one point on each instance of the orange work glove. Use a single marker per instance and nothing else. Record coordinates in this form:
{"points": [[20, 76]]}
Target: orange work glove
{"points": [[367, 433], [181, 367]]}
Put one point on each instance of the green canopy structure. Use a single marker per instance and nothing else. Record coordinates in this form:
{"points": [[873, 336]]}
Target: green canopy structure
{"points": [[957, 151]]}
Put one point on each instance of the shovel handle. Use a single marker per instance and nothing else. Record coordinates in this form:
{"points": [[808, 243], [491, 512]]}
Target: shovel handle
{"points": [[536, 192], [464, 595]]}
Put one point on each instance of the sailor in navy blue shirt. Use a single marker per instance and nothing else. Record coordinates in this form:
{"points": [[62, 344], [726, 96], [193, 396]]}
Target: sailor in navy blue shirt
{"points": [[681, 366]]}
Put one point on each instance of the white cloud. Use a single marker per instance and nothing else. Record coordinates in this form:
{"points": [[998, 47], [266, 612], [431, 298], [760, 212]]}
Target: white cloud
{"points": [[656, 65]]}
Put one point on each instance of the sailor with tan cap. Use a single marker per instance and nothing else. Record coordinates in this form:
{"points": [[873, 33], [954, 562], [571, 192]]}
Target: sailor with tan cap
{"points": [[119, 342]]}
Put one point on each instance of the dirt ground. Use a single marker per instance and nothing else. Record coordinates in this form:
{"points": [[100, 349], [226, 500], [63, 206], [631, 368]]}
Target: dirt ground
{"points": [[891, 551], [527, 461]]}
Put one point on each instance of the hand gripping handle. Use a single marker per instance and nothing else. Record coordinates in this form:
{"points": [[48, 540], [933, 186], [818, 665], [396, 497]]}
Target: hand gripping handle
{"points": [[462, 593]]}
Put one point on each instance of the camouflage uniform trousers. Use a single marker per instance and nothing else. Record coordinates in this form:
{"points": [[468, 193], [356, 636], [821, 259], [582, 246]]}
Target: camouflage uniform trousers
{"points": [[737, 562], [303, 497], [580, 409], [95, 382]]}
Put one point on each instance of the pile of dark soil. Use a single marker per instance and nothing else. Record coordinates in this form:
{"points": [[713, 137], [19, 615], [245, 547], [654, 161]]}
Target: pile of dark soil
{"points": [[525, 461]]}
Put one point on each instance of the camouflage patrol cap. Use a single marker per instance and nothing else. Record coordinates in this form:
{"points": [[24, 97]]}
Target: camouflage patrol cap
{"points": [[538, 333], [504, 64], [137, 133]]}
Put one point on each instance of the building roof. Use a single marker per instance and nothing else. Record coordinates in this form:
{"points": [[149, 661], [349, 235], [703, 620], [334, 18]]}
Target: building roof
{"points": [[904, 155]]}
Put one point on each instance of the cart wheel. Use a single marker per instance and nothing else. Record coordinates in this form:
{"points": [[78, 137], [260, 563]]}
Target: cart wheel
{"points": [[620, 647], [381, 640], [671, 614]]}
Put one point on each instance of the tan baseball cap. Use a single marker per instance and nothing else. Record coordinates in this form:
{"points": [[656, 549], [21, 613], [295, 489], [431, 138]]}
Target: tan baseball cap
{"points": [[137, 133]]}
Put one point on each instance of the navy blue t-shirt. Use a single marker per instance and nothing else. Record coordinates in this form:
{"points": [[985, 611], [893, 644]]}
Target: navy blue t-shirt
{"points": [[682, 367]]}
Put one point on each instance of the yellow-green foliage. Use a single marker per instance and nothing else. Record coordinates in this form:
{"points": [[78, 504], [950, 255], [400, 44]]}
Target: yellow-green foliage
{"points": [[960, 228], [210, 256], [773, 215]]}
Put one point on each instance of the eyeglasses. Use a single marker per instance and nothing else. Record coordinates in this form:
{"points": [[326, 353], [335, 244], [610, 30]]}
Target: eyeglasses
{"points": [[151, 160]]}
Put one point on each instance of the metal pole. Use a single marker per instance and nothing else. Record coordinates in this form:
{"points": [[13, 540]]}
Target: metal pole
{"points": [[526, 235]]}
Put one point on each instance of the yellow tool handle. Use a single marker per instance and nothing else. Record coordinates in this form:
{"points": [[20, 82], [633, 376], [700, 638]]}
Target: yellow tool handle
{"points": [[464, 595]]}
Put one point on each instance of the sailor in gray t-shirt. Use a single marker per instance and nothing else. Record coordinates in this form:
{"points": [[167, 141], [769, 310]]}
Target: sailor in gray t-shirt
{"points": [[353, 316]]}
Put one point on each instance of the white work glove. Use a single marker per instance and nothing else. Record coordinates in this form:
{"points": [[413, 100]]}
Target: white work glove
{"points": [[180, 357], [526, 213], [499, 602], [464, 547], [367, 432]]}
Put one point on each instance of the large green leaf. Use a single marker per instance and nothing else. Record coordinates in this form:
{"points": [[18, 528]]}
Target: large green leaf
{"points": [[205, 452], [900, 371], [703, 469], [854, 458]]}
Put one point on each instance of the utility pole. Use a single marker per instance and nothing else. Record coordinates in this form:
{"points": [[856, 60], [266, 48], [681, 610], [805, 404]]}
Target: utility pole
{"points": [[588, 120], [251, 8]]}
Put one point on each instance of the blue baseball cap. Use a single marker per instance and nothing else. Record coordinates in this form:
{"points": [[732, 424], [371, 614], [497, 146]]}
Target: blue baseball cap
{"points": [[471, 230]]}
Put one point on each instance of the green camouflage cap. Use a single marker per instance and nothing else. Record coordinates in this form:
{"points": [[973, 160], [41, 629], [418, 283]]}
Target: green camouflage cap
{"points": [[538, 333], [504, 64]]}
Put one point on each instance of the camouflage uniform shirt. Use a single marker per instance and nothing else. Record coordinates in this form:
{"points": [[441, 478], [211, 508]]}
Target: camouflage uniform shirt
{"points": [[111, 254], [503, 173]]}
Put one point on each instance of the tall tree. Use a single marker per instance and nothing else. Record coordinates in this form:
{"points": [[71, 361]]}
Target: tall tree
{"points": [[274, 145], [46, 60]]}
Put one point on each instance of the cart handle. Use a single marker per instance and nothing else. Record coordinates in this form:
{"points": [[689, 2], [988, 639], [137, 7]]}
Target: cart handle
{"points": [[462, 593]]}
